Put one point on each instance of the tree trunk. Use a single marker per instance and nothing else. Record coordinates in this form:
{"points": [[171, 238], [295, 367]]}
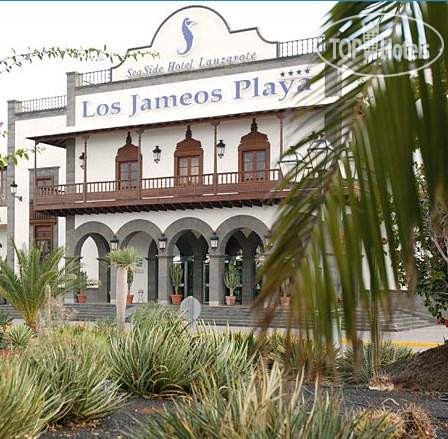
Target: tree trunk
{"points": [[120, 297]]}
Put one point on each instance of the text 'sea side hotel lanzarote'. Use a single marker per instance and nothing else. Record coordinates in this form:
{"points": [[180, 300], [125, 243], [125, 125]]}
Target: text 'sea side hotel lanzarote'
{"points": [[176, 155]]}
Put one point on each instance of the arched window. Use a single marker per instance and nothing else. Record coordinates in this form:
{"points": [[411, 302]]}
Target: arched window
{"points": [[254, 155], [126, 165], [188, 160]]}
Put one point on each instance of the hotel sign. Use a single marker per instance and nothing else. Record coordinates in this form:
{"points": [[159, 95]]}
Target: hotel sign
{"points": [[251, 87], [195, 37]]}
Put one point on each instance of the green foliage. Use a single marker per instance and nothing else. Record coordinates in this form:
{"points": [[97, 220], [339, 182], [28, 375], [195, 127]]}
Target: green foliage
{"points": [[154, 314], [5, 320], [264, 406], [334, 224], [129, 278], [77, 375], [354, 370], [176, 276], [26, 290], [81, 282], [18, 336], [160, 356], [106, 326], [232, 278], [25, 404], [123, 258], [154, 360], [16, 60]]}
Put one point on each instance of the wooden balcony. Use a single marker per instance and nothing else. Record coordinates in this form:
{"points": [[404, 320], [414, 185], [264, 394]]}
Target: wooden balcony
{"points": [[227, 189]]}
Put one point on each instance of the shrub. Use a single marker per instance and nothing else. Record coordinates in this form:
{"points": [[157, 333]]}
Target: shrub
{"points": [[153, 314], [5, 322], [220, 352], [106, 327], [25, 405], [75, 370], [154, 360], [265, 406], [354, 371], [18, 336]]}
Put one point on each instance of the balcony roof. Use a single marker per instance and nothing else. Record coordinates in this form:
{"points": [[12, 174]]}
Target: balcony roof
{"points": [[60, 139]]}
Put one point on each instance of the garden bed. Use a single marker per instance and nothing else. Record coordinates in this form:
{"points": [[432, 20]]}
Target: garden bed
{"points": [[113, 426], [354, 398]]}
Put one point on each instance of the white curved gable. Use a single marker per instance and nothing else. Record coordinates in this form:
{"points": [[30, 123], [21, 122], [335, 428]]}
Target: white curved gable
{"points": [[193, 38]]}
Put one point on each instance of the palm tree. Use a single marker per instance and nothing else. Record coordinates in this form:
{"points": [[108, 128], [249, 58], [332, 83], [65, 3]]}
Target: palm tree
{"points": [[36, 280], [352, 223], [124, 260]]}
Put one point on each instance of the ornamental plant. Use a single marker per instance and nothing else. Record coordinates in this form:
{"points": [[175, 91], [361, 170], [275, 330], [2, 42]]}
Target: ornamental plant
{"points": [[232, 278], [176, 275], [37, 278]]}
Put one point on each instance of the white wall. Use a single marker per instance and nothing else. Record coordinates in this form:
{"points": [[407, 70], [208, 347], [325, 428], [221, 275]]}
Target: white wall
{"points": [[48, 157], [213, 217]]}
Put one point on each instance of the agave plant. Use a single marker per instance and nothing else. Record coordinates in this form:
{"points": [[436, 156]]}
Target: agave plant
{"points": [[360, 202], [27, 289], [124, 260], [18, 336], [262, 406]]}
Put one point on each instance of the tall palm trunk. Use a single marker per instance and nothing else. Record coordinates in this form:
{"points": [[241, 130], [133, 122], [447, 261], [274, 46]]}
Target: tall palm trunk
{"points": [[120, 297]]}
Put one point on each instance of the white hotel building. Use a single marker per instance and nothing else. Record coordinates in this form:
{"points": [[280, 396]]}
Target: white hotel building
{"points": [[134, 155]]}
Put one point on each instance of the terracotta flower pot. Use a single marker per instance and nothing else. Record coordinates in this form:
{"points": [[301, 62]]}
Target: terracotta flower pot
{"points": [[129, 299], [285, 301], [176, 299], [230, 300], [81, 298]]}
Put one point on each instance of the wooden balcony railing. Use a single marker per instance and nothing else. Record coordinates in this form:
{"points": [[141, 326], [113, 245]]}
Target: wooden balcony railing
{"points": [[194, 188]]}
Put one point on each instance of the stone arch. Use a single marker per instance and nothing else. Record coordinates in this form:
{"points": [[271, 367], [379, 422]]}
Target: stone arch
{"points": [[238, 222], [128, 230], [182, 225], [99, 232], [101, 235], [125, 235]]}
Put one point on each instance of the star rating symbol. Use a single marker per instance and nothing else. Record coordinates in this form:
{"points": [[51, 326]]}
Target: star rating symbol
{"points": [[307, 70], [282, 74], [290, 73], [299, 72]]}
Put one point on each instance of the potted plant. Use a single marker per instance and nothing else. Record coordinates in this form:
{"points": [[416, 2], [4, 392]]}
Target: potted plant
{"points": [[129, 281], [231, 281], [176, 275], [80, 283], [285, 299]]}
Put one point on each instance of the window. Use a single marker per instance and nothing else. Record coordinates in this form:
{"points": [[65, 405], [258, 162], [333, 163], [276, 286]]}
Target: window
{"points": [[254, 155], [254, 165], [188, 160], [128, 175], [127, 171], [43, 237], [188, 170]]}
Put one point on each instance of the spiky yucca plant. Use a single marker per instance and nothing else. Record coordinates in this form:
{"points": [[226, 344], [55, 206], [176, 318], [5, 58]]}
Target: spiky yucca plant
{"points": [[264, 406], [26, 289], [123, 259]]}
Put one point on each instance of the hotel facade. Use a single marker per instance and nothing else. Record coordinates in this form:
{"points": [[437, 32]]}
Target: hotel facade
{"points": [[175, 153]]}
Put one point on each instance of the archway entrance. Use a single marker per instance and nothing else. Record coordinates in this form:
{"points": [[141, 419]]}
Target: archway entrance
{"points": [[91, 250], [191, 251], [245, 249]]}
